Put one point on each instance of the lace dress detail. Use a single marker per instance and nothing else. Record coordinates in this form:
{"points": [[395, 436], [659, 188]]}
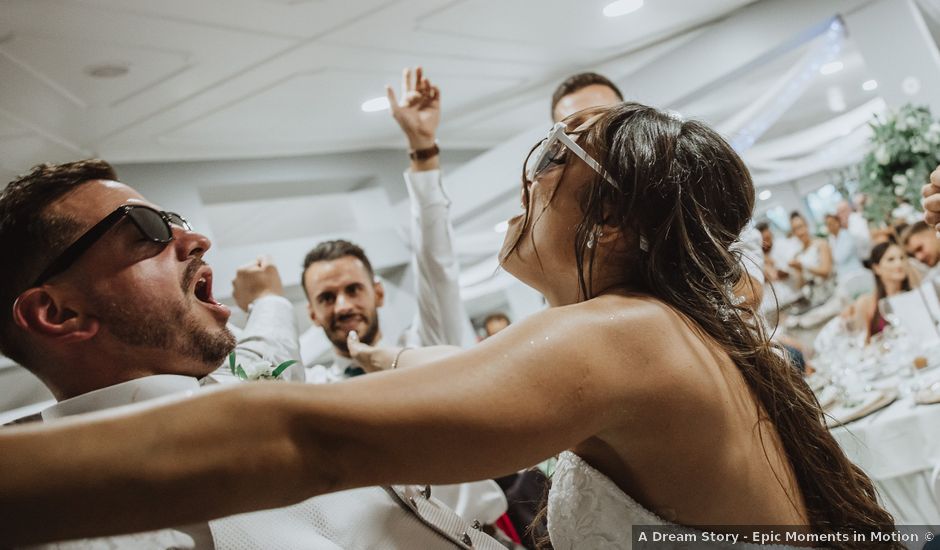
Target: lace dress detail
{"points": [[587, 510]]}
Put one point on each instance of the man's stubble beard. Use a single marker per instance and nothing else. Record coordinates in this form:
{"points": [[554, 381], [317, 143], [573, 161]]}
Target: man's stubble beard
{"points": [[368, 338]]}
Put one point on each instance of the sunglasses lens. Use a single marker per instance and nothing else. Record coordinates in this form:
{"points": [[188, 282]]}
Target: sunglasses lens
{"points": [[151, 224], [551, 155], [534, 159], [178, 221]]}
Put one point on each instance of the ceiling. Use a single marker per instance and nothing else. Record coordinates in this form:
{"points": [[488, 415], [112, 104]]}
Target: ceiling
{"points": [[268, 78]]}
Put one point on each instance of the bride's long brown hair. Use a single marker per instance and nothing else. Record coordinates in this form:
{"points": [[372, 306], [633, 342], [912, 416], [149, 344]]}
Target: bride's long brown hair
{"points": [[684, 188]]}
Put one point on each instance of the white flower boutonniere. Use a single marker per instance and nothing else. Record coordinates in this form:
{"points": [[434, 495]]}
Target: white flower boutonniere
{"points": [[271, 372]]}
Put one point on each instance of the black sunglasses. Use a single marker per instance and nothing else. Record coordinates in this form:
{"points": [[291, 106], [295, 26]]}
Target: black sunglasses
{"points": [[153, 224]]}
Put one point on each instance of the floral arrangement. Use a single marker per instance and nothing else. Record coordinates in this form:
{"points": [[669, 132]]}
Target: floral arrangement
{"points": [[905, 148], [264, 373]]}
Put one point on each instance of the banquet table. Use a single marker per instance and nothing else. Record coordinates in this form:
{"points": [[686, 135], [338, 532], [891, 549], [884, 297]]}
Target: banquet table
{"points": [[899, 448]]}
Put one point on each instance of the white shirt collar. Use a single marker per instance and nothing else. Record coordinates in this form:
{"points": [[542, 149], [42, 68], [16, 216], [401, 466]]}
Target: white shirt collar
{"points": [[125, 393]]}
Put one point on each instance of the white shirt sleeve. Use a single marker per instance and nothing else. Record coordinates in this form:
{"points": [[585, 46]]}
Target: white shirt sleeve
{"points": [[269, 338], [441, 318]]}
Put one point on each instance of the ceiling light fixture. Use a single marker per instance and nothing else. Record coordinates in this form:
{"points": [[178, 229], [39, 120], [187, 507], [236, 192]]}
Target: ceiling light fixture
{"points": [[375, 104], [765, 194], [869, 85], [622, 7], [831, 67], [107, 70]]}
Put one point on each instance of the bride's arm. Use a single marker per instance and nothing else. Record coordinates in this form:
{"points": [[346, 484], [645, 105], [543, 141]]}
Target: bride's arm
{"points": [[535, 389]]}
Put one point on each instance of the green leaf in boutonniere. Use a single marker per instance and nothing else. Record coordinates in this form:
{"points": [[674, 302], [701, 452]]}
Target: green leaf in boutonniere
{"points": [[278, 370], [240, 372], [231, 362]]}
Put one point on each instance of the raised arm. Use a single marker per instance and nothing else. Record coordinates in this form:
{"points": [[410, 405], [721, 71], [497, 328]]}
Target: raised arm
{"points": [[441, 318], [270, 334]]}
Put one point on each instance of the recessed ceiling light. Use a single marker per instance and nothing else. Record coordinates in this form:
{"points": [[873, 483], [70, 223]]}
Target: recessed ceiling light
{"points": [[765, 194], [831, 67], [869, 85], [501, 227], [107, 70], [910, 85], [622, 7], [375, 104]]}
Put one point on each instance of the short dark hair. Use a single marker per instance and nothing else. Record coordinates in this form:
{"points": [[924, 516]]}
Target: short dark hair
{"points": [[498, 316], [762, 226], [581, 80], [30, 236], [917, 227], [334, 250]]}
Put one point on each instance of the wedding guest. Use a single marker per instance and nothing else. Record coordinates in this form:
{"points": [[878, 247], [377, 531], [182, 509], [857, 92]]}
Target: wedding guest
{"points": [[812, 265], [583, 91], [852, 221], [344, 295], [771, 271], [342, 291], [110, 303], [921, 241], [844, 250], [495, 322], [893, 275]]}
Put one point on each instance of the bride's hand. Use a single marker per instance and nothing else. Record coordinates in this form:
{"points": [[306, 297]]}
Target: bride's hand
{"points": [[370, 358]]}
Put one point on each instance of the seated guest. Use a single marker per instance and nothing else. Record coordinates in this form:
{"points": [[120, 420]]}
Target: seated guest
{"points": [[844, 250], [771, 271], [812, 266], [893, 275], [495, 322], [921, 241], [110, 303]]}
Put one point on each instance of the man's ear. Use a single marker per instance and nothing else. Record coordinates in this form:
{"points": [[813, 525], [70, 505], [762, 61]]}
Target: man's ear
{"points": [[379, 293], [45, 314]]}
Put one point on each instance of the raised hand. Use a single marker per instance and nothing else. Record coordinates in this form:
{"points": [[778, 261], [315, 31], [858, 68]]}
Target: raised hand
{"points": [[931, 193], [254, 280], [419, 110], [370, 358]]}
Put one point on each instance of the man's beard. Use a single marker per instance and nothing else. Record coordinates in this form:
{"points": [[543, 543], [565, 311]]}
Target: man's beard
{"points": [[338, 336], [169, 325]]}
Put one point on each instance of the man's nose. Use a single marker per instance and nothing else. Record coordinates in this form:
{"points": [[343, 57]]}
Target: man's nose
{"points": [[190, 243], [343, 303]]}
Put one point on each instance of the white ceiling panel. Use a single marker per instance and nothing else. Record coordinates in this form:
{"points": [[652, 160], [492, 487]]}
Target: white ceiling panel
{"points": [[326, 100], [243, 223], [64, 63]]}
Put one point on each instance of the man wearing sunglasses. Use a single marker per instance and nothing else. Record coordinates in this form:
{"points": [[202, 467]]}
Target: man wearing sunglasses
{"points": [[106, 298]]}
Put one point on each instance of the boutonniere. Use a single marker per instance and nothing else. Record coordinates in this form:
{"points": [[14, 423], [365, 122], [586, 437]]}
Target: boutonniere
{"points": [[271, 372]]}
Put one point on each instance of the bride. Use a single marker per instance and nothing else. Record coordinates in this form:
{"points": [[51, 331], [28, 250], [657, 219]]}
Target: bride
{"points": [[667, 403]]}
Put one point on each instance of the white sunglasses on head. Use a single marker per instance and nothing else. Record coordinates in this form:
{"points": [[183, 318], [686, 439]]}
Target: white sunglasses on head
{"points": [[552, 148]]}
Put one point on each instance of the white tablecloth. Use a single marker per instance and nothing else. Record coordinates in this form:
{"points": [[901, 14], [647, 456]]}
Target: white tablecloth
{"points": [[898, 447]]}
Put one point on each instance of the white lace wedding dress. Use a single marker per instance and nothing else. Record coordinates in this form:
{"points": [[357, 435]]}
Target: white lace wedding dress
{"points": [[587, 510]]}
